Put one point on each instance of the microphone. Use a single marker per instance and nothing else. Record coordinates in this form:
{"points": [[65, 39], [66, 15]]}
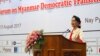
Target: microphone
{"points": [[67, 31]]}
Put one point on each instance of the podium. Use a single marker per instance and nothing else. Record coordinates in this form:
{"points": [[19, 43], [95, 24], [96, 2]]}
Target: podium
{"points": [[57, 45]]}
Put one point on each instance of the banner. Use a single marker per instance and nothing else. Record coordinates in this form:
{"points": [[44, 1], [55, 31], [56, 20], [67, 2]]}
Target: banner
{"points": [[18, 17]]}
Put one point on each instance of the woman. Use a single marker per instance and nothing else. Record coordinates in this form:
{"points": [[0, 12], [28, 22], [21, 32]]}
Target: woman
{"points": [[76, 33]]}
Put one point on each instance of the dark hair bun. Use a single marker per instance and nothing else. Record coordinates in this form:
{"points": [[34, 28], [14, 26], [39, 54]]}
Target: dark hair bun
{"points": [[78, 20]]}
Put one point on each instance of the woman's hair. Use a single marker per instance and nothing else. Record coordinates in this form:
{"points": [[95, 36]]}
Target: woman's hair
{"points": [[78, 20]]}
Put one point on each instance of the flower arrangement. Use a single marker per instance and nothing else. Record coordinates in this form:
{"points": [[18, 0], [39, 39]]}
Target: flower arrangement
{"points": [[34, 40]]}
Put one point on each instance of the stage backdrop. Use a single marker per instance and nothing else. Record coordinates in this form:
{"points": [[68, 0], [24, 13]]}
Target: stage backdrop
{"points": [[22, 16]]}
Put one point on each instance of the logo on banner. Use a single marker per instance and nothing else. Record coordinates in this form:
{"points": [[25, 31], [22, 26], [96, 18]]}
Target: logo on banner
{"points": [[15, 49], [7, 49], [16, 42], [99, 50], [89, 50]]}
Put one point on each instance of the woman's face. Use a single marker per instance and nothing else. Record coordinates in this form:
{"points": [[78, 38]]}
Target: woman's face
{"points": [[74, 23]]}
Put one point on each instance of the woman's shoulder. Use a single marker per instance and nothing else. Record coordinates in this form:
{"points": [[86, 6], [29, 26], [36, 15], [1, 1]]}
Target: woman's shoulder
{"points": [[79, 30]]}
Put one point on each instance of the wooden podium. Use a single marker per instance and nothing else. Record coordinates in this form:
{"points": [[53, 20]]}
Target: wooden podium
{"points": [[57, 45]]}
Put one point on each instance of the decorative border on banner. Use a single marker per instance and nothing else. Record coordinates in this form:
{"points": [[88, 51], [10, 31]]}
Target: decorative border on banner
{"points": [[46, 6]]}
